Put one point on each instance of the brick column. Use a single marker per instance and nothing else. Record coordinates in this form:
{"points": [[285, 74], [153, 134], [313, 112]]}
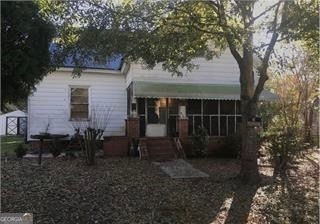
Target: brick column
{"points": [[133, 127], [182, 127]]}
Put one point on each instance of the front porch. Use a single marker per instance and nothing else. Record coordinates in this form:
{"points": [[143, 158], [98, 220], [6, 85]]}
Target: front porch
{"points": [[171, 110], [160, 117]]}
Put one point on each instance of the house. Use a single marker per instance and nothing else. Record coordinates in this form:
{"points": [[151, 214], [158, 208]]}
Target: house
{"points": [[150, 105]]}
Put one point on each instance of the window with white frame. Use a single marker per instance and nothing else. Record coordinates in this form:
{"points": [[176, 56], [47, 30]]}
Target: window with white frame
{"points": [[79, 103]]}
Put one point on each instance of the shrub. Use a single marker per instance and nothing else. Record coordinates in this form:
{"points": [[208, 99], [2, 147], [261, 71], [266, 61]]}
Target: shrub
{"points": [[200, 141], [231, 148], [283, 143], [92, 131], [56, 148], [21, 150]]}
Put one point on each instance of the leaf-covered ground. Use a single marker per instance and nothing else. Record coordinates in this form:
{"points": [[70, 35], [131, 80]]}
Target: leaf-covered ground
{"points": [[126, 190]]}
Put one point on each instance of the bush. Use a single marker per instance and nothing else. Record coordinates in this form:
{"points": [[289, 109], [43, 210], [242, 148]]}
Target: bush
{"points": [[231, 148], [200, 141], [56, 148], [21, 150], [283, 144]]}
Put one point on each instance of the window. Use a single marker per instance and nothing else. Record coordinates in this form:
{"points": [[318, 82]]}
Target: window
{"points": [[79, 103]]}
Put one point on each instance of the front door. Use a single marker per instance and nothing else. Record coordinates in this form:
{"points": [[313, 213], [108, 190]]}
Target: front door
{"points": [[156, 117]]}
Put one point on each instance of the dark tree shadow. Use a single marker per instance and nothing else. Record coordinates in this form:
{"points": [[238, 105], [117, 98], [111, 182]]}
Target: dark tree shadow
{"points": [[242, 201], [296, 197]]}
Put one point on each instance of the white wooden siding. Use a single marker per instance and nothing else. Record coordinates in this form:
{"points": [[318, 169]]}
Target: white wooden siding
{"points": [[51, 101], [221, 70]]}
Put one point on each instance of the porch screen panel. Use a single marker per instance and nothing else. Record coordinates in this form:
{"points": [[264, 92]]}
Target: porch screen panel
{"points": [[238, 107], [190, 125], [227, 107], [197, 122], [142, 115], [214, 126], [194, 107], [210, 107], [206, 124], [223, 125], [173, 113], [79, 103], [172, 127], [141, 106], [231, 125], [219, 117], [142, 125]]}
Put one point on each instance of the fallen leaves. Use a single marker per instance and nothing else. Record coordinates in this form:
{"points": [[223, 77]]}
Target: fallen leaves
{"points": [[128, 190]]}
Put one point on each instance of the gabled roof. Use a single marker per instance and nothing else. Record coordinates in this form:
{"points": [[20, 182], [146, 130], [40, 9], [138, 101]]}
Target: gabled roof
{"points": [[113, 63]]}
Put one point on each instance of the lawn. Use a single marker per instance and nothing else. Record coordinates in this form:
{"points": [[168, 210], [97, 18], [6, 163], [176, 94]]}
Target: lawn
{"points": [[9, 143], [127, 190]]}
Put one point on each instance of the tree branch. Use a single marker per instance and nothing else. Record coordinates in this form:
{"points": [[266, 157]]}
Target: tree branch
{"points": [[264, 12], [265, 62], [228, 35]]}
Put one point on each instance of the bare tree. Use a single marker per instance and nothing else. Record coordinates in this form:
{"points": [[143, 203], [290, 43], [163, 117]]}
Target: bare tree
{"points": [[92, 130]]}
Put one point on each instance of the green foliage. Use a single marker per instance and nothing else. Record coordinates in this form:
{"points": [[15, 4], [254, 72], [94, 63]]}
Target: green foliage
{"points": [[284, 143], [10, 143], [232, 148], [175, 32], [268, 110], [25, 58], [200, 141], [56, 148], [302, 23], [92, 131], [21, 150], [89, 144]]}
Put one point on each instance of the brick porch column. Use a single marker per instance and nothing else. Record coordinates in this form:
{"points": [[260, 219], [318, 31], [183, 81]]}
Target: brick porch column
{"points": [[183, 127], [133, 127]]}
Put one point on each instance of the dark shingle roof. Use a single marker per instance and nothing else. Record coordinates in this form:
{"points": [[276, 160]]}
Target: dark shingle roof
{"points": [[113, 63]]}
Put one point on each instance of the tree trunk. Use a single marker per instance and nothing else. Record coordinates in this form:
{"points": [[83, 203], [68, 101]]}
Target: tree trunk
{"points": [[249, 172], [308, 120]]}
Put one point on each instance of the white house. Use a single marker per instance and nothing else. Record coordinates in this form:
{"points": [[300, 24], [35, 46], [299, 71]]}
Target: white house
{"points": [[208, 96]]}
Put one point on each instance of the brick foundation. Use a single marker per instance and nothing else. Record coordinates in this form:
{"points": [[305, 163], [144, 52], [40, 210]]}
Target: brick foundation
{"points": [[215, 144], [116, 146], [182, 127], [35, 145]]}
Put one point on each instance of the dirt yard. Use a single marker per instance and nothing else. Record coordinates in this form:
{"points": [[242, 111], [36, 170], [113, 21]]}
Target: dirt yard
{"points": [[126, 190]]}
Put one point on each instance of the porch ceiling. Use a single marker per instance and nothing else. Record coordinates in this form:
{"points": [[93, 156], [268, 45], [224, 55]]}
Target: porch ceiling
{"points": [[191, 91]]}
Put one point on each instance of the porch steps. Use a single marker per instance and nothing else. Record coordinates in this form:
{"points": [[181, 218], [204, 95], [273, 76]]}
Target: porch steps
{"points": [[161, 148]]}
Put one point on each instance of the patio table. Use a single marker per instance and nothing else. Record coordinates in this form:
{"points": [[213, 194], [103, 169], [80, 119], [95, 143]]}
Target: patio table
{"points": [[42, 137]]}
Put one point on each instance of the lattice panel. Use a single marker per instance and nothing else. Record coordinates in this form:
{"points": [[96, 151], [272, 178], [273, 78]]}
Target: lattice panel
{"points": [[12, 124]]}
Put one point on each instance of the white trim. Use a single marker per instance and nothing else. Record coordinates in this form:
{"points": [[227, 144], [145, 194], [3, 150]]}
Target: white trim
{"points": [[69, 99], [91, 70]]}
